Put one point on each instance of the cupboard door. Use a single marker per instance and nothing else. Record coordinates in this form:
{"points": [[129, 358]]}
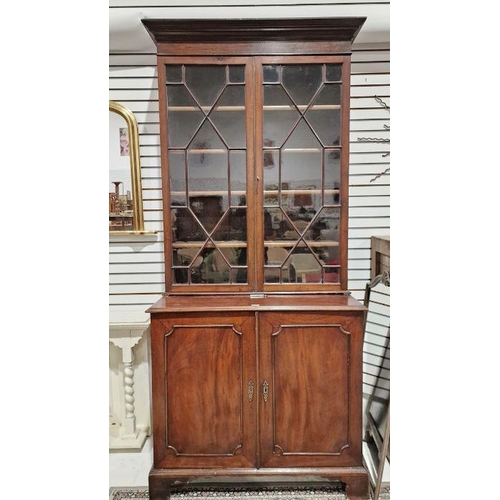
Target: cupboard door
{"points": [[310, 408], [203, 391]]}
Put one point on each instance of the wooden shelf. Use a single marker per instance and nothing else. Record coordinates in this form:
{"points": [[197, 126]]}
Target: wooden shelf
{"points": [[266, 149], [243, 244], [219, 244], [207, 109], [291, 243], [270, 192], [287, 192]]}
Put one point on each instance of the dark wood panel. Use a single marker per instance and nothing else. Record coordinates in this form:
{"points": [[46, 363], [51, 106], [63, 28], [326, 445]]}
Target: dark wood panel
{"points": [[310, 389], [201, 410], [237, 30], [229, 303], [313, 413], [204, 388]]}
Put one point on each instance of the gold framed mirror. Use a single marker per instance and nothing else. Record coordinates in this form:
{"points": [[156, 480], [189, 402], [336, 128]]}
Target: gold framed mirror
{"points": [[126, 214]]}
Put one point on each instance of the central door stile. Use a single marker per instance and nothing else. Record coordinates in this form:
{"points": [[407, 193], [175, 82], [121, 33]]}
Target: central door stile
{"points": [[250, 404], [257, 399], [259, 171], [264, 333], [252, 188]]}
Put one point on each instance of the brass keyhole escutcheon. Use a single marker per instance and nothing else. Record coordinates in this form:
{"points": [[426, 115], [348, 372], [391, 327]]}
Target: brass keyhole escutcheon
{"points": [[265, 390], [251, 386]]}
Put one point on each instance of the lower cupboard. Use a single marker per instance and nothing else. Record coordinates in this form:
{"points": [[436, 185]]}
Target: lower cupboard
{"points": [[264, 389]]}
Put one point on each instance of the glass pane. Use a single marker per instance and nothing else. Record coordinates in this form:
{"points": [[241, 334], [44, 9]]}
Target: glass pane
{"points": [[271, 74], [331, 274], [324, 115], [233, 226], [302, 82], [173, 74], [305, 267], [271, 195], [286, 229], [218, 265], [270, 160], [332, 177], [271, 177], [237, 74], [303, 138], [276, 269], [206, 83], [302, 168], [238, 177], [186, 265], [334, 72], [207, 162], [327, 230], [208, 210], [236, 225], [279, 115], [185, 227], [184, 116], [229, 116], [276, 217], [177, 178], [188, 256]]}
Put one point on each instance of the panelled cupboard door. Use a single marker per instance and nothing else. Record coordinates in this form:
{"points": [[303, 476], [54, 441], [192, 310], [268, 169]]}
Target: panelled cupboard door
{"points": [[310, 401], [204, 407]]}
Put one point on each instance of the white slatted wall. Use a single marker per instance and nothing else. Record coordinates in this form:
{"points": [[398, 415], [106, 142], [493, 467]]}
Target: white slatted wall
{"points": [[136, 268]]}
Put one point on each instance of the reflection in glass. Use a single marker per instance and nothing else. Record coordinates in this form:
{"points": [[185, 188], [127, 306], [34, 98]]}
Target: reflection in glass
{"points": [[271, 74], [280, 115], [324, 115], [229, 116], [205, 82], [177, 177], [184, 116], [334, 72], [332, 177], [237, 74], [173, 74], [238, 176], [302, 81], [233, 226]]}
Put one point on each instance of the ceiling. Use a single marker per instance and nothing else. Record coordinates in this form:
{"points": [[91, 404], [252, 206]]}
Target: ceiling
{"points": [[128, 35]]}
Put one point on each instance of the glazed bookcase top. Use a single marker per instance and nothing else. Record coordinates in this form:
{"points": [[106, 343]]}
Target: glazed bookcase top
{"points": [[255, 152]]}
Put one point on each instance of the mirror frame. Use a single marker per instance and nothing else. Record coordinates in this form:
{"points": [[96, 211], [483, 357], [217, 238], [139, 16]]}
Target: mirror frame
{"points": [[135, 169]]}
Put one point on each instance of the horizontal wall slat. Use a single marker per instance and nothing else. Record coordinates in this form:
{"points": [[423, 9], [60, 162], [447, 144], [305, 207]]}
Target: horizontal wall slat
{"points": [[234, 3], [121, 301], [139, 268], [133, 71], [144, 279], [132, 259], [137, 288]]}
